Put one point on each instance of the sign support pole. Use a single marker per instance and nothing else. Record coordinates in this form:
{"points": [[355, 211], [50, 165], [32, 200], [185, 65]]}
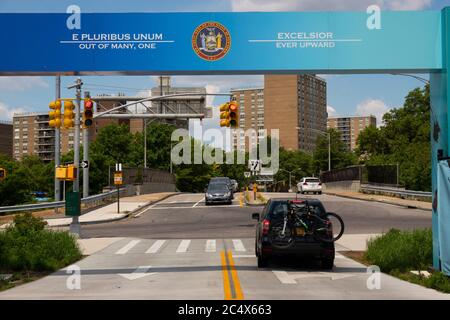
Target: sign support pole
{"points": [[75, 226], [57, 143], [86, 157]]}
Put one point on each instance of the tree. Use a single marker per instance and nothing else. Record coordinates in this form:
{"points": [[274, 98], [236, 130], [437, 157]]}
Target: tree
{"points": [[114, 142], [159, 145], [340, 157], [404, 139]]}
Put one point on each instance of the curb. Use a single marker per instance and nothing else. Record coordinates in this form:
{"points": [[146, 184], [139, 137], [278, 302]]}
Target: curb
{"points": [[380, 201], [126, 215], [247, 204]]}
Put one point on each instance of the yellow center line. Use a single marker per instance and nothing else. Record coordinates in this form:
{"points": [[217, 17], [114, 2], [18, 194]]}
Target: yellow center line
{"points": [[231, 285], [226, 280], [235, 277]]}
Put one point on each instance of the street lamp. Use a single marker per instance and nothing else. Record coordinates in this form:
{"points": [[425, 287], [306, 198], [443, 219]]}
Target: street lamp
{"points": [[290, 173], [329, 144], [412, 76]]}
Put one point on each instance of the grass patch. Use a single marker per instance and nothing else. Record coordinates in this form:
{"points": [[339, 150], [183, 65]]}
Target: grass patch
{"points": [[28, 250], [398, 252]]}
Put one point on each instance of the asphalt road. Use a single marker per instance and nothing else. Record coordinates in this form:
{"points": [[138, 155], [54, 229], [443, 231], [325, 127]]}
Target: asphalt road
{"points": [[180, 249], [186, 216]]}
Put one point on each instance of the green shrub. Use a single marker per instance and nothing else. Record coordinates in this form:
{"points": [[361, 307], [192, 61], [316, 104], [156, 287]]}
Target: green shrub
{"points": [[401, 250], [27, 246]]}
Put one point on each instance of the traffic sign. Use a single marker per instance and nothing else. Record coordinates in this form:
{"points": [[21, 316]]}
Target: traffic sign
{"points": [[254, 165], [85, 164], [247, 174], [118, 180]]}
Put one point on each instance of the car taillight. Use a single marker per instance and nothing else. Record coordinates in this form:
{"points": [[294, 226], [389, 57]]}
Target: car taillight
{"points": [[266, 226], [320, 183]]}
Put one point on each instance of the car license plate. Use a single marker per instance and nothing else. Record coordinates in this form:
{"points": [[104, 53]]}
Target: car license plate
{"points": [[300, 231]]}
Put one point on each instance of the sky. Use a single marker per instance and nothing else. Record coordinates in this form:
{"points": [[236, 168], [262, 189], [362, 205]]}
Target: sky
{"points": [[346, 94]]}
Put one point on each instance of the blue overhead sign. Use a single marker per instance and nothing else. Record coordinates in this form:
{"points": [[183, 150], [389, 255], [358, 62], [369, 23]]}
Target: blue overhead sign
{"points": [[205, 43]]}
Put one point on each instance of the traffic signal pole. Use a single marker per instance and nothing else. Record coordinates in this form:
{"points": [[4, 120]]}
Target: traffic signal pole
{"points": [[57, 143], [86, 157], [75, 226]]}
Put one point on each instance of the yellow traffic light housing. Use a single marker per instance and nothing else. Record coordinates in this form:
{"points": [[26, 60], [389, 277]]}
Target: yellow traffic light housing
{"points": [[55, 114], [67, 173], [71, 172], [2, 174], [233, 114], [88, 113], [61, 173], [225, 115], [69, 115]]}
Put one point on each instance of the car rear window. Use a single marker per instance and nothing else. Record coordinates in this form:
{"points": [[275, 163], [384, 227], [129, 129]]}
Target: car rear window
{"points": [[217, 187], [312, 180], [279, 208]]}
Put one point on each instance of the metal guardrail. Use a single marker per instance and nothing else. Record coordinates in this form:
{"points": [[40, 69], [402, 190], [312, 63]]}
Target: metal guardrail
{"points": [[396, 191], [59, 204]]}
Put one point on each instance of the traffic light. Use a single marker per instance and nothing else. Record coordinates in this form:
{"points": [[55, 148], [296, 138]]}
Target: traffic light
{"points": [[88, 113], [69, 115], [55, 114], [2, 174], [233, 114], [225, 115]]}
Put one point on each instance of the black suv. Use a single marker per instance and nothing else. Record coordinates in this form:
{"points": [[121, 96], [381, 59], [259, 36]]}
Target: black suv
{"points": [[303, 246]]}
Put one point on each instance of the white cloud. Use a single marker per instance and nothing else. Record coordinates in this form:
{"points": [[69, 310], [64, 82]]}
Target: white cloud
{"points": [[372, 107], [6, 112], [331, 111], [326, 5], [22, 83]]}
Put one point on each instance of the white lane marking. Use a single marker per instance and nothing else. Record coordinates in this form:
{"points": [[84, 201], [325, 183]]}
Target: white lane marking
{"points": [[140, 272], [128, 246], [210, 246], [238, 245], [286, 278], [156, 246], [198, 207], [184, 245], [198, 202]]}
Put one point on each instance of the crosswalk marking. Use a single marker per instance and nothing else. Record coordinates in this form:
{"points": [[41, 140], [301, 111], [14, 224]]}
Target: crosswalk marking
{"points": [[184, 245], [238, 245], [210, 246], [156, 246], [128, 247]]}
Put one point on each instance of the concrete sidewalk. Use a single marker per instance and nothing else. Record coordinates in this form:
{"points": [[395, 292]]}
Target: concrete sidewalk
{"points": [[384, 199], [108, 213], [354, 242]]}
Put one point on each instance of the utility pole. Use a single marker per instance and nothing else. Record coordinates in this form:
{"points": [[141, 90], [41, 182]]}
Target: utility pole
{"points": [[57, 143], [145, 143], [75, 226], [86, 156], [329, 151]]}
